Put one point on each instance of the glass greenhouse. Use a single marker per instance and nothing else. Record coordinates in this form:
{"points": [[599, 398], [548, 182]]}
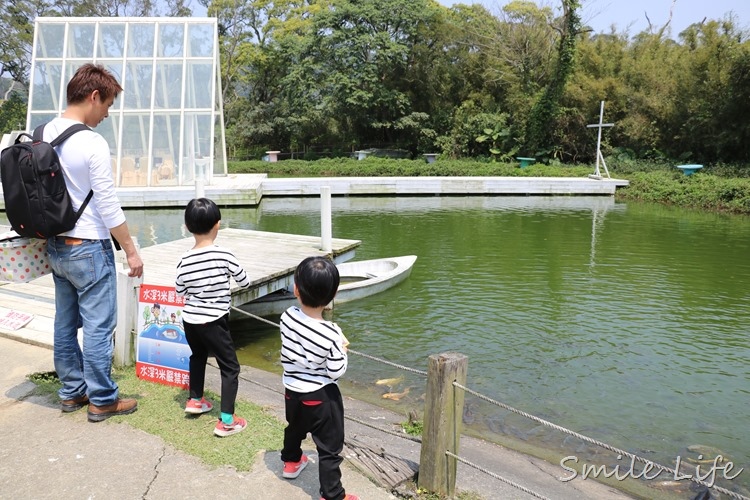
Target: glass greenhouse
{"points": [[166, 127]]}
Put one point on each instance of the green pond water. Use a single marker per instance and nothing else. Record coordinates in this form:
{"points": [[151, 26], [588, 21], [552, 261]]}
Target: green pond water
{"points": [[627, 323]]}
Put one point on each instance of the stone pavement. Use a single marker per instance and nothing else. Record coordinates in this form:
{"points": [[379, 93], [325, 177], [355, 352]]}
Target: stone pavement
{"points": [[46, 454]]}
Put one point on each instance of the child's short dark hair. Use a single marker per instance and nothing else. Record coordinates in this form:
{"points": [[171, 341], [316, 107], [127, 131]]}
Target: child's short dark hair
{"points": [[317, 280], [201, 215]]}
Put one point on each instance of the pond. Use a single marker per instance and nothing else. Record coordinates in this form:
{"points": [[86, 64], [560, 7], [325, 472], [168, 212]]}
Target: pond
{"points": [[625, 322]]}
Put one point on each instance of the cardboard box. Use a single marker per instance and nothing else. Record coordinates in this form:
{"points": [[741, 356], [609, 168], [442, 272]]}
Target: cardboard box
{"points": [[22, 259]]}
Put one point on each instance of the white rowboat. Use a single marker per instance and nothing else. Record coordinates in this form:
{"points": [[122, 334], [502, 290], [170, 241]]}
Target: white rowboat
{"points": [[359, 279]]}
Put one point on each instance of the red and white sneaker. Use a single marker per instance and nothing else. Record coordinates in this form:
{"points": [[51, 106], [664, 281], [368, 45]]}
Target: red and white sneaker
{"points": [[224, 430], [292, 469], [347, 497], [197, 407]]}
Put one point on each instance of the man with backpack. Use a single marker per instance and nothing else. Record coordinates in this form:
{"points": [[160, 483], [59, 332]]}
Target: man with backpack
{"points": [[82, 259]]}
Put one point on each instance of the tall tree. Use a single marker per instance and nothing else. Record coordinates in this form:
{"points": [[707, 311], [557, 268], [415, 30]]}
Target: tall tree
{"points": [[541, 128], [16, 38], [734, 110], [363, 54], [13, 112], [259, 42], [598, 77], [700, 128]]}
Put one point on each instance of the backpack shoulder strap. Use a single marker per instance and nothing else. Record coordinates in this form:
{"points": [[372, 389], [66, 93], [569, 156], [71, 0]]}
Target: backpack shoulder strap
{"points": [[83, 205], [78, 127], [38, 135]]}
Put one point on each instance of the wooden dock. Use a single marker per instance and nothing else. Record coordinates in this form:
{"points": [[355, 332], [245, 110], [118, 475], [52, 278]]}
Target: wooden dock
{"points": [[268, 258]]}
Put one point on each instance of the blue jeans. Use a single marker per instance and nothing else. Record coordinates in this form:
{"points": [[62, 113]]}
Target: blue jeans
{"points": [[85, 296]]}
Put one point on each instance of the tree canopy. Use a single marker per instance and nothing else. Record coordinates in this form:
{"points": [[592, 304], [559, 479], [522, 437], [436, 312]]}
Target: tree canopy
{"points": [[340, 75]]}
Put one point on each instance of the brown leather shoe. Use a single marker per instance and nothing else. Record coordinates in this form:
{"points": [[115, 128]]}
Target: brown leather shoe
{"points": [[119, 407], [69, 405]]}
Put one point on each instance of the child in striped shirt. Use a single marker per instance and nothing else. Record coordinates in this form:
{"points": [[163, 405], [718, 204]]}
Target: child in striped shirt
{"points": [[203, 278], [313, 355]]}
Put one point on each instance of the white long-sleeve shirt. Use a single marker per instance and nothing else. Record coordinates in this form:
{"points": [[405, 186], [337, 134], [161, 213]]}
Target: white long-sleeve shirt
{"points": [[86, 165], [312, 351], [203, 277]]}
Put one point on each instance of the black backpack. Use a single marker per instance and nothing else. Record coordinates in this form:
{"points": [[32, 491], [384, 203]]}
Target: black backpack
{"points": [[37, 202]]}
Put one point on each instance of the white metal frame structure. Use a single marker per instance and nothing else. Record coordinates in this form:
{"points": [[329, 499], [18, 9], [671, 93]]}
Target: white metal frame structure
{"points": [[599, 157], [167, 126]]}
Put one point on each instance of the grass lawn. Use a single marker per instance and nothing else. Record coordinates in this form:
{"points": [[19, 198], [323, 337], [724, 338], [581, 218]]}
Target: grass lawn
{"points": [[161, 412]]}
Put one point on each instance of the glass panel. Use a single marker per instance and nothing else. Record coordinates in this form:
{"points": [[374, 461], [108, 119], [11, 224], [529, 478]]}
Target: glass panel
{"points": [[50, 40], [201, 40], [197, 146], [133, 65], [108, 129], [171, 40], [39, 118], [135, 137], [45, 93], [70, 69], [166, 149], [111, 40], [168, 85], [141, 40], [137, 86], [220, 166], [199, 85], [198, 134], [115, 67], [81, 40]]}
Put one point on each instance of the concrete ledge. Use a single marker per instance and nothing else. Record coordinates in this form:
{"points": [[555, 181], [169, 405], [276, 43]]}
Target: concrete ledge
{"points": [[344, 186], [249, 189], [231, 190]]}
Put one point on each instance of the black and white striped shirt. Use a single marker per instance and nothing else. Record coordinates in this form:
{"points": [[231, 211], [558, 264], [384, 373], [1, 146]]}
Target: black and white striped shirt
{"points": [[203, 277], [312, 351]]}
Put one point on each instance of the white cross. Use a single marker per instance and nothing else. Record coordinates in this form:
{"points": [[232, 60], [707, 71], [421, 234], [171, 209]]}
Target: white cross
{"points": [[597, 174]]}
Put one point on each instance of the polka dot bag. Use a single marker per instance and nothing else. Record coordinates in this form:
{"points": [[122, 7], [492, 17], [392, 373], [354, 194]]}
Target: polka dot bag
{"points": [[22, 259]]}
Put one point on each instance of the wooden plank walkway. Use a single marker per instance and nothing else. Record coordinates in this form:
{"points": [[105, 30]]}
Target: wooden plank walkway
{"points": [[386, 470], [268, 258]]}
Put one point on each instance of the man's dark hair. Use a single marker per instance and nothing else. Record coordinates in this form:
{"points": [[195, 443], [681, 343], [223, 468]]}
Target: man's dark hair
{"points": [[317, 280], [91, 77], [201, 215]]}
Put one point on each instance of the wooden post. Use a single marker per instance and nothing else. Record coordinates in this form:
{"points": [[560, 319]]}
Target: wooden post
{"points": [[127, 308], [443, 413]]}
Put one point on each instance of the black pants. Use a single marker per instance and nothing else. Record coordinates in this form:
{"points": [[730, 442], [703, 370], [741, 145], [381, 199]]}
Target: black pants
{"points": [[213, 338], [321, 413]]}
